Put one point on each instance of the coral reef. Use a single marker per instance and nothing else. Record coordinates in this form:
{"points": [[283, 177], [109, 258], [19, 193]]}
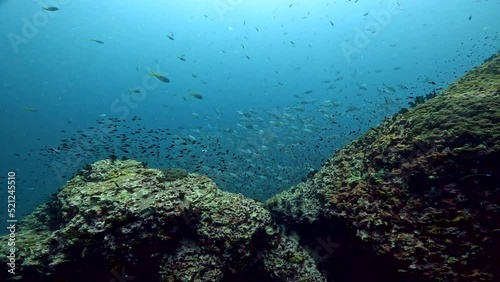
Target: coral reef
{"points": [[118, 218], [415, 199], [172, 174], [422, 188]]}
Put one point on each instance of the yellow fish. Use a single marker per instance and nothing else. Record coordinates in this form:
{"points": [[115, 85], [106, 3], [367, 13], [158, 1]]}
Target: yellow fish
{"points": [[197, 96], [160, 77]]}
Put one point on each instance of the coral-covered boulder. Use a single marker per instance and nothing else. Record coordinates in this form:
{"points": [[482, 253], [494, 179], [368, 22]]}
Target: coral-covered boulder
{"points": [[122, 221], [420, 192]]}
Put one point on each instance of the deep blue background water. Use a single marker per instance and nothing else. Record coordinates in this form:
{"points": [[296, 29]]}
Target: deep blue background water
{"points": [[50, 64]]}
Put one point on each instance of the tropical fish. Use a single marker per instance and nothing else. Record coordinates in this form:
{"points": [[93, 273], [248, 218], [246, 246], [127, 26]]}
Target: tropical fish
{"points": [[51, 9], [160, 77], [362, 86], [307, 130], [29, 109], [97, 41], [197, 96], [390, 88], [306, 102], [352, 108]]}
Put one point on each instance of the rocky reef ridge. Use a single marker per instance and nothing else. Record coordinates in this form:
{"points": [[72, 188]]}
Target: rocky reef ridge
{"points": [[415, 199], [422, 190], [119, 218]]}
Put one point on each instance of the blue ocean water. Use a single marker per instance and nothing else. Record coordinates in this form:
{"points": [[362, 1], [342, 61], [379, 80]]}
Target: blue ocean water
{"points": [[284, 83]]}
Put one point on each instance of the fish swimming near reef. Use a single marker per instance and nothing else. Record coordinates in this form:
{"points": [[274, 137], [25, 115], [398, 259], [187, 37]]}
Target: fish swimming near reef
{"points": [[51, 9], [29, 109], [197, 96], [160, 77], [362, 86]]}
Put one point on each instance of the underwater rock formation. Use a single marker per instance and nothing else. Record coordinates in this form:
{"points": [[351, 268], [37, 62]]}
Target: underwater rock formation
{"points": [[121, 221], [415, 199], [421, 191]]}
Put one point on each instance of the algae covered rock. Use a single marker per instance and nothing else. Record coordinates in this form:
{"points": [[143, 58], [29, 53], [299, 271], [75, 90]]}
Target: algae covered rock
{"points": [[420, 191], [121, 221], [173, 174]]}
